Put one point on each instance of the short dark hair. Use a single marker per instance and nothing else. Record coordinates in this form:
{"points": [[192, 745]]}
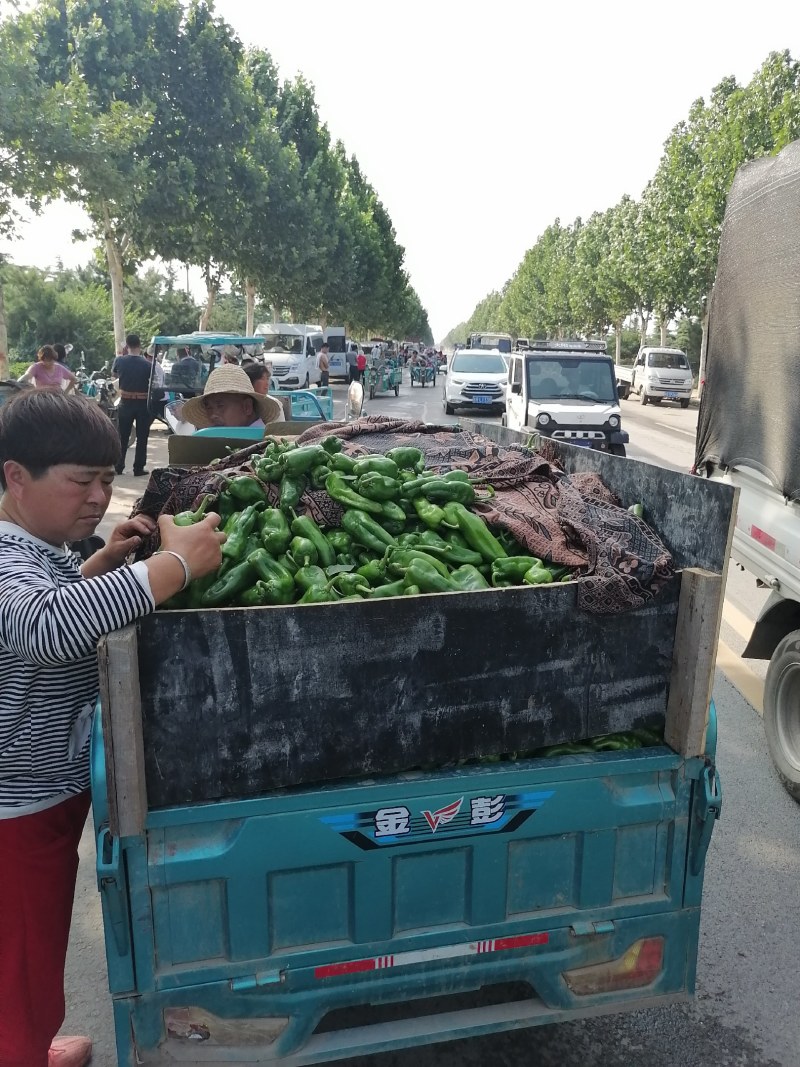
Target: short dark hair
{"points": [[256, 371], [132, 340], [61, 352], [40, 428], [47, 352]]}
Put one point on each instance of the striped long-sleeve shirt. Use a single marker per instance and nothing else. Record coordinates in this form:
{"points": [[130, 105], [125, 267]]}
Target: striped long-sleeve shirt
{"points": [[51, 619]]}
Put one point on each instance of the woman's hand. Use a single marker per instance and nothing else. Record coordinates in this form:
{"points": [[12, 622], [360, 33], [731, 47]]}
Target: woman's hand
{"points": [[125, 538], [200, 544]]}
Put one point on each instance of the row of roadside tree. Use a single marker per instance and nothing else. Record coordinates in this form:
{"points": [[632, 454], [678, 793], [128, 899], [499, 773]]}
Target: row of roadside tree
{"points": [[181, 144], [654, 258]]}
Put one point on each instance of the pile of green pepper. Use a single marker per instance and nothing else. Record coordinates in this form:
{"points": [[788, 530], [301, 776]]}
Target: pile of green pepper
{"points": [[404, 531]]}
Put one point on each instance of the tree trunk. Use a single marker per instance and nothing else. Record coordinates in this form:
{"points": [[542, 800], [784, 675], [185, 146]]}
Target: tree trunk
{"points": [[644, 322], [3, 337], [250, 293], [114, 255], [213, 280], [701, 373], [663, 324], [618, 339]]}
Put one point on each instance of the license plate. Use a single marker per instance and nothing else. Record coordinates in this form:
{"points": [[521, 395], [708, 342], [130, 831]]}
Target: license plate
{"points": [[581, 442], [671, 396], [482, 399]]}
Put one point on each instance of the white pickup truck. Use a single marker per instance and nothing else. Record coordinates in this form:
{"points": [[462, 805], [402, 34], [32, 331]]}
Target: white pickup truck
{"points": [[566, 390], [657, 374], [748, 432]]}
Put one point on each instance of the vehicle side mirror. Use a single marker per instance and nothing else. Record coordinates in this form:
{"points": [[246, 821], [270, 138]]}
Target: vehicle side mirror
{"points": [[516, 388]]}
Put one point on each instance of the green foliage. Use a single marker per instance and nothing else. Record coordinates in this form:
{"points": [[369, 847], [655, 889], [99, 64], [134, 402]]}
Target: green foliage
{"points": [[656, 256], [180, 144]]}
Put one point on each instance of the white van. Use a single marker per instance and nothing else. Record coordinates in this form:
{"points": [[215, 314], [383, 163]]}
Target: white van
{"points": [[338, 347], [292, 349], [661, 374]]}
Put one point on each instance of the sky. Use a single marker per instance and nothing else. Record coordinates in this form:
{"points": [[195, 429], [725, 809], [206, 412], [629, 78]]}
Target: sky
{"points": [[480, 124]]}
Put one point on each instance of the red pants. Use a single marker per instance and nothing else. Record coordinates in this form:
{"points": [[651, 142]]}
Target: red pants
{"points": [[38, 868]]}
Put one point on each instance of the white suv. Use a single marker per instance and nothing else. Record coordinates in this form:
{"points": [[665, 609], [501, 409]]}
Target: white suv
{"points": [[475, 377]]}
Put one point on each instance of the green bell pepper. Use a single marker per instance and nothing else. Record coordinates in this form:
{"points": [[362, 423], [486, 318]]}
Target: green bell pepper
{"points": [[538, 576], [317, 594], [339, 540], [394, 513], [374, 572], [468, 578], [301, 460], [238, 528], [351, 585], [338, 490], [302, 552], [380, 592], [376, 486], [318, 475], [401, 559], [512, 570], [427, 578], [310, 575], [275, 532], [189, 518], [230, 586], [292, 488], [443, 490], [445, 550], [304, 526], [332, 445], [367, 532], [377, 465], [278, 582], [430, 514], [246, 489], [474, 530], [407, 458], [342, 463]]}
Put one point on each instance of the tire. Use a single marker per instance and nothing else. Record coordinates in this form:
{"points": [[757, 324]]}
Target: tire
{"points": [[782, 712], [448, 408], [643, 397], [372, 392], [684, 404], [617, 450], [397, 390], [307, 382]]}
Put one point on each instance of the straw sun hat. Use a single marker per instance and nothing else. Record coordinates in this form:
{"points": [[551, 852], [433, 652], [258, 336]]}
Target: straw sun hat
{"points": [[233, 380]]}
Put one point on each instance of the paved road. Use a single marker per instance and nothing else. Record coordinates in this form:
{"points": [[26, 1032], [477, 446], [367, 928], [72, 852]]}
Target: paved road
{"points": [[746, 1012]]}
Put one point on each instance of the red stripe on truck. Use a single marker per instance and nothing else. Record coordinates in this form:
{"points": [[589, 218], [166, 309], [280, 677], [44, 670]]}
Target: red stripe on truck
{"points": [[763, 538]]}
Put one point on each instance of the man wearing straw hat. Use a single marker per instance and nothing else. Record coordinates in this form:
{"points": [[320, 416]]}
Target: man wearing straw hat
{"points": [[229, 399]]}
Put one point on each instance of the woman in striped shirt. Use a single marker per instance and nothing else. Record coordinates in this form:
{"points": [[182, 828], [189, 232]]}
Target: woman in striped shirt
{"points": [[57, 460]]}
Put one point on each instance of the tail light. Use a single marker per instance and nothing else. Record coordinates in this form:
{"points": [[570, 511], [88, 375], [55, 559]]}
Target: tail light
{"points": [[639, 966]]}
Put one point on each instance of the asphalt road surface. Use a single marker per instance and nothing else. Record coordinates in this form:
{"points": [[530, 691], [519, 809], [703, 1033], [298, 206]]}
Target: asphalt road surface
{"points": [[746, 1012]]}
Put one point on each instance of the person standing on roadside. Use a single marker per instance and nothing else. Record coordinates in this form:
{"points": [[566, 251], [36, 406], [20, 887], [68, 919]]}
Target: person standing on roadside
{"points": [[361, 366], [324, 366], [352, 364], [133, 372], [57, 460]]}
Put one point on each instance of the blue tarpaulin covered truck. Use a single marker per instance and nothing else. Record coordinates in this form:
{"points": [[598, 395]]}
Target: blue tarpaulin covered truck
{"points": [[298, 864]]}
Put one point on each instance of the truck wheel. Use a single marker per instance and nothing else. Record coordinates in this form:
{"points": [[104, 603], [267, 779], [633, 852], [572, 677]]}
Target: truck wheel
{"points": [[782, 712], [643, 397], [625, 393], [449, 409], [684, 403], [617, 450]]}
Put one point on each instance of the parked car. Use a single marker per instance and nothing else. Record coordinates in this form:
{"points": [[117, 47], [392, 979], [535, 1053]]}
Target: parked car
{"points": [[475, 377], [658, 374]]}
